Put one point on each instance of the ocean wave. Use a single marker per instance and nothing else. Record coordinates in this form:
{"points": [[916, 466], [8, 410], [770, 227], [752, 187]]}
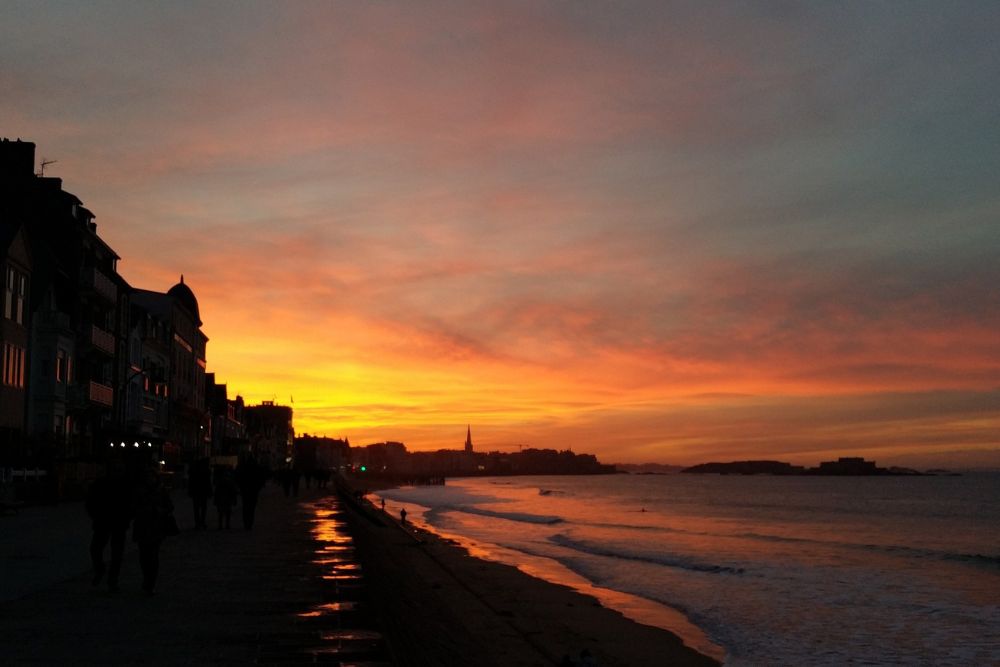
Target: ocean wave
{"points": [[631, 552], [977, 559], [520, 517], [894, 549]]}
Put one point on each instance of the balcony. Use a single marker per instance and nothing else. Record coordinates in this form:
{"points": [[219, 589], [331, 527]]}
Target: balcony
{"points": [[102, 340], [103, 285], [101, 394]]}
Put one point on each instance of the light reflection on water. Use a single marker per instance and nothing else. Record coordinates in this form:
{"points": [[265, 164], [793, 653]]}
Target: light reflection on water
{"points": [[777, 570]]}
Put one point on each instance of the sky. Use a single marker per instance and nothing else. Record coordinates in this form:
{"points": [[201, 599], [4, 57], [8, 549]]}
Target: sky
{"points": [[653, 231]]}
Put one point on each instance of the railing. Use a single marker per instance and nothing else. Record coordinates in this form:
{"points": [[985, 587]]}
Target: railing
{"points": [[102, 340], [104, 285], [102, 393]]}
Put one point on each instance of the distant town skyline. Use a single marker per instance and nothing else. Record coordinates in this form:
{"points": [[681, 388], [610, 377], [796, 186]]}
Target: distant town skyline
{"points": [[657, 232]]}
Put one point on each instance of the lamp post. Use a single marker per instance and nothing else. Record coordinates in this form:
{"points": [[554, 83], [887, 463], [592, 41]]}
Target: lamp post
{"points": [[123, 392], [134, 443]]}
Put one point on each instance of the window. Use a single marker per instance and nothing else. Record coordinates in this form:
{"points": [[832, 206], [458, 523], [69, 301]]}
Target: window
{"points": [[22, 291], [13, 365], [8, 297], [64, 366], [15, 292]]}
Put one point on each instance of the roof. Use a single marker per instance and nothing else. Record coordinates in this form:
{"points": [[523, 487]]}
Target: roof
{"points": [[183, 294]]}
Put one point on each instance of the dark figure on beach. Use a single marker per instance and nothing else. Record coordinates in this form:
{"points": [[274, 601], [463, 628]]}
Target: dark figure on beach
{"points": [[383, 504], [109, 504], [154, 521], [250, 478], [402, 515], [225, 495], [200, 490]]}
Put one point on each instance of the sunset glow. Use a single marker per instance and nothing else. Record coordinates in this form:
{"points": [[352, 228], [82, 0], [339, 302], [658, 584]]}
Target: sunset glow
{"points": [[650, 233]]}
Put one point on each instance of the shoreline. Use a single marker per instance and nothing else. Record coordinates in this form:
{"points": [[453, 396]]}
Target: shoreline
{"points": [[633, 607], [441, 604]]}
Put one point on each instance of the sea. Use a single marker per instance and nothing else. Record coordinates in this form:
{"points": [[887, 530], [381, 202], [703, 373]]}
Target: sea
{"points": [[754, 570]]}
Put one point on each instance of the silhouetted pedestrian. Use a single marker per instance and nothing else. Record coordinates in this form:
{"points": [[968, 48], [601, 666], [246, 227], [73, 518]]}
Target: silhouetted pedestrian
{"points": [[225, 495], [154, 520], [402, 515], [109, 504], [250, 478], [200, 490]]}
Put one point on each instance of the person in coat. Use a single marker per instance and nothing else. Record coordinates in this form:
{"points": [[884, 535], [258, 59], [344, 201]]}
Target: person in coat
{"points": [[109, 504], [225, 495], [154, 520]]}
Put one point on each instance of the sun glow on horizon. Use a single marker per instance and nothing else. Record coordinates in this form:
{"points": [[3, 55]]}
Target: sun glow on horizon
{"points": [[654, 233]]}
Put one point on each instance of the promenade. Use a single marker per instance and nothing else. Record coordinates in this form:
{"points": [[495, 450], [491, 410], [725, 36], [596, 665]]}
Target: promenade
{"points": [[289, 591], [292, 591]]}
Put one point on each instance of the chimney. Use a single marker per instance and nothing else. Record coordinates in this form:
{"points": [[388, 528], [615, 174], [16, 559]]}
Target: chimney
{"points": [[17, 161]]}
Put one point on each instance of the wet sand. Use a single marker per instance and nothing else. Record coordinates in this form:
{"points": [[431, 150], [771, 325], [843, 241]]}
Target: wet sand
{"points": [[440, 606]]}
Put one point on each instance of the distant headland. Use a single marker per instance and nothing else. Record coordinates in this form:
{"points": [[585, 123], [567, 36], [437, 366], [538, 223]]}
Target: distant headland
{"points": [[844, 466]]}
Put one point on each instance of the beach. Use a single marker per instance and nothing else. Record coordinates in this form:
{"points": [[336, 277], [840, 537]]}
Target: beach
{"points": [[786, 570], [441, 606], [288, 592]]}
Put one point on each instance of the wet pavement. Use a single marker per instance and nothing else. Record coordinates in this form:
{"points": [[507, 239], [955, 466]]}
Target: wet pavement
{"points": [[289, 591]]}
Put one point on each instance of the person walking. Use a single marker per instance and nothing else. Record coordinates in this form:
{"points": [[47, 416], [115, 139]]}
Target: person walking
{"points": [[200, 490], [250, 478], [154, 520], [109, 504], [225, 495]]}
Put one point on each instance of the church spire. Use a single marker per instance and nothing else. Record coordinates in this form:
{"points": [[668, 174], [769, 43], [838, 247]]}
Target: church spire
{"points": [[468, 439]]}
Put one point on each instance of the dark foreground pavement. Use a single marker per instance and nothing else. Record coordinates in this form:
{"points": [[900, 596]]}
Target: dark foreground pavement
{"points": [[289, 591]]}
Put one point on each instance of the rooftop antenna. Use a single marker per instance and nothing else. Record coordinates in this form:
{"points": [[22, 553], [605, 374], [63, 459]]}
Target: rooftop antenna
{"points": [[45, 162]]}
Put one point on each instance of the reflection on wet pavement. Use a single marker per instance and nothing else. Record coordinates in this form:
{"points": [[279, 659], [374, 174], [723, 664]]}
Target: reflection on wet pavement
{"points": [[340, 630]]}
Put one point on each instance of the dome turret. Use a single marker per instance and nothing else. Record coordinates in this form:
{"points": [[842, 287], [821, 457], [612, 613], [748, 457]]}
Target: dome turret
{"points": [[185, 296]]}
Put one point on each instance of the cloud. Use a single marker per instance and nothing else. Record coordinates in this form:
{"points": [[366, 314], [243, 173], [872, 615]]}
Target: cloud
{"points": [[660, 229]]}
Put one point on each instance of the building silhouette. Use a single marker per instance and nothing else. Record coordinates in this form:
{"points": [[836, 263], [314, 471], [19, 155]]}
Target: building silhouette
{"points": [[75, 308], [89, 365], [188, 436], [270, 434], [320, 453], [15, 271], [227, 420], [147, 385]]}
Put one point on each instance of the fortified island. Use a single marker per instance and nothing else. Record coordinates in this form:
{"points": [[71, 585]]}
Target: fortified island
{"points": [[844, 466]]}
